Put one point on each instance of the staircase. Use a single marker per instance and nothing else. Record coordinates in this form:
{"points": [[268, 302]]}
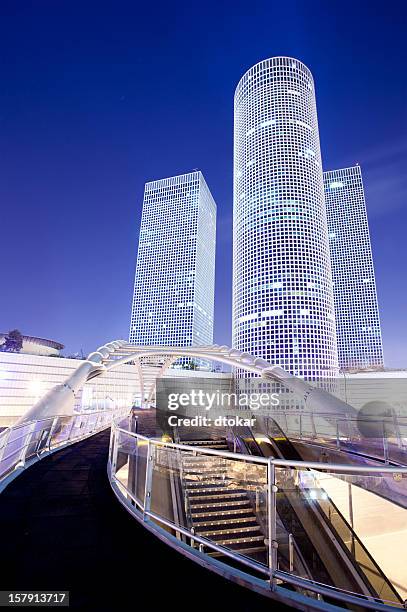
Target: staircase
{"points": [[219, 510]]}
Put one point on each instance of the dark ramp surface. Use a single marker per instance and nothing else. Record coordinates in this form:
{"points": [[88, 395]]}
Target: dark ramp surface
{"points": [[63, 528]]}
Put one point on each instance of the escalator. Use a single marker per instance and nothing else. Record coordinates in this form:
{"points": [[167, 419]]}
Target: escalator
{"points": [[330, 548]]}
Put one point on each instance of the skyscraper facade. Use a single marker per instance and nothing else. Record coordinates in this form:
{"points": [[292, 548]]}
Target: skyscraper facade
{"points": [[283, 307], [173, 297], [356, 308]]}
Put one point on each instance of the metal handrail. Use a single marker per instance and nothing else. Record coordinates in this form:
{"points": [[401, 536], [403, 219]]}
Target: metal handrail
{"points": [[274, 574], [341, 441], [306, 584], [372, 567], [193, 536], [41, 436], [335, 467]]}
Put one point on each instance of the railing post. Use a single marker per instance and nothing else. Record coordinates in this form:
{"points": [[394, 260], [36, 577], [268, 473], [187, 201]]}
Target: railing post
{"points": [[85, 427], [291, 551], [348, 422], [351, 522], [272, 525], [51, 431], [136, 465], [338, 444], [6, 439], [300, 427], [115, 452], [314, 430], [111, 442], [149, 478], [185, 503], [134, 422], [385, 444], [72, 426], [27, 442], [397, 429]]}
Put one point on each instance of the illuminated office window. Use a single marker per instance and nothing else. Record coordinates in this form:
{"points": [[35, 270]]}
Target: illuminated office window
{"points": [[356, 308], [281, 262], [173, 297]]}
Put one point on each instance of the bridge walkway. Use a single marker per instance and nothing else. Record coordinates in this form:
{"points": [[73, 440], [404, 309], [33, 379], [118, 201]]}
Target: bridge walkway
{"points": [[62, 528]]}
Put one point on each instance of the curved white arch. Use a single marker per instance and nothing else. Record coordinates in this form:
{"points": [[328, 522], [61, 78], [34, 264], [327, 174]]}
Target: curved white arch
{"points": [[152, 362]]}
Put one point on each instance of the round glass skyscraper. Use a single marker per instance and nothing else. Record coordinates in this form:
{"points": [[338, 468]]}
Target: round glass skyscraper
{"points": [[282, 286]]}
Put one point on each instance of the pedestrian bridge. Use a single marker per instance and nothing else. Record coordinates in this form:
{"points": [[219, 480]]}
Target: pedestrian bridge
{"points": [[259, 508]]}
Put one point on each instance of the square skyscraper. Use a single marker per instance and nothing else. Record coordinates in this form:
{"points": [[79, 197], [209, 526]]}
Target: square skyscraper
{"points": [[173, 299], [356, 309]]}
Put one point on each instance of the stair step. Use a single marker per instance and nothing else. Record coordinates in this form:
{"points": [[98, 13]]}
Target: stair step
{"points": [[204, 442], [220, 509], [204, 465], [220, 532], [242, 551], [198, 460], [202, 460], [249, 520], [225, 504], [243, 540], [210, 481], [223, 513], [214, 472], [213, 496], [212, 489], [206, 471], [200, 452]]}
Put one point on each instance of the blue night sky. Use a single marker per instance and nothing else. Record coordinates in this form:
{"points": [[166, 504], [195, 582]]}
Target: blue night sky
{"points": [[98, 97]]}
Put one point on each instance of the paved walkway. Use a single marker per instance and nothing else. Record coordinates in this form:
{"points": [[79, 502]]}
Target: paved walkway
{"points": [[62, 528]]}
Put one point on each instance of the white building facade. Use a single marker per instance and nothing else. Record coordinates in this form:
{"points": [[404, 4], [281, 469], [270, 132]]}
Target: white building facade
{"points": [[283, 306], [173, 301], [356, 307], [24, 379]]}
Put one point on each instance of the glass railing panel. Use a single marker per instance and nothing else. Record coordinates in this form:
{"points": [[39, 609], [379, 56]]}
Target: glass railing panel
{"points": [[292, 561], [402, 425], [8, 463], [367, 524], [293, 425], [19, 444], [125, 453], [17, 436], [39, 437], [325, 426], [328, 513], [94, 421], [78, 426], [14, 448], [167, 494], [397, 439], [306, 426], [295, 521], [87, 425], [327, 530], [61, 429], [131, 463]]}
